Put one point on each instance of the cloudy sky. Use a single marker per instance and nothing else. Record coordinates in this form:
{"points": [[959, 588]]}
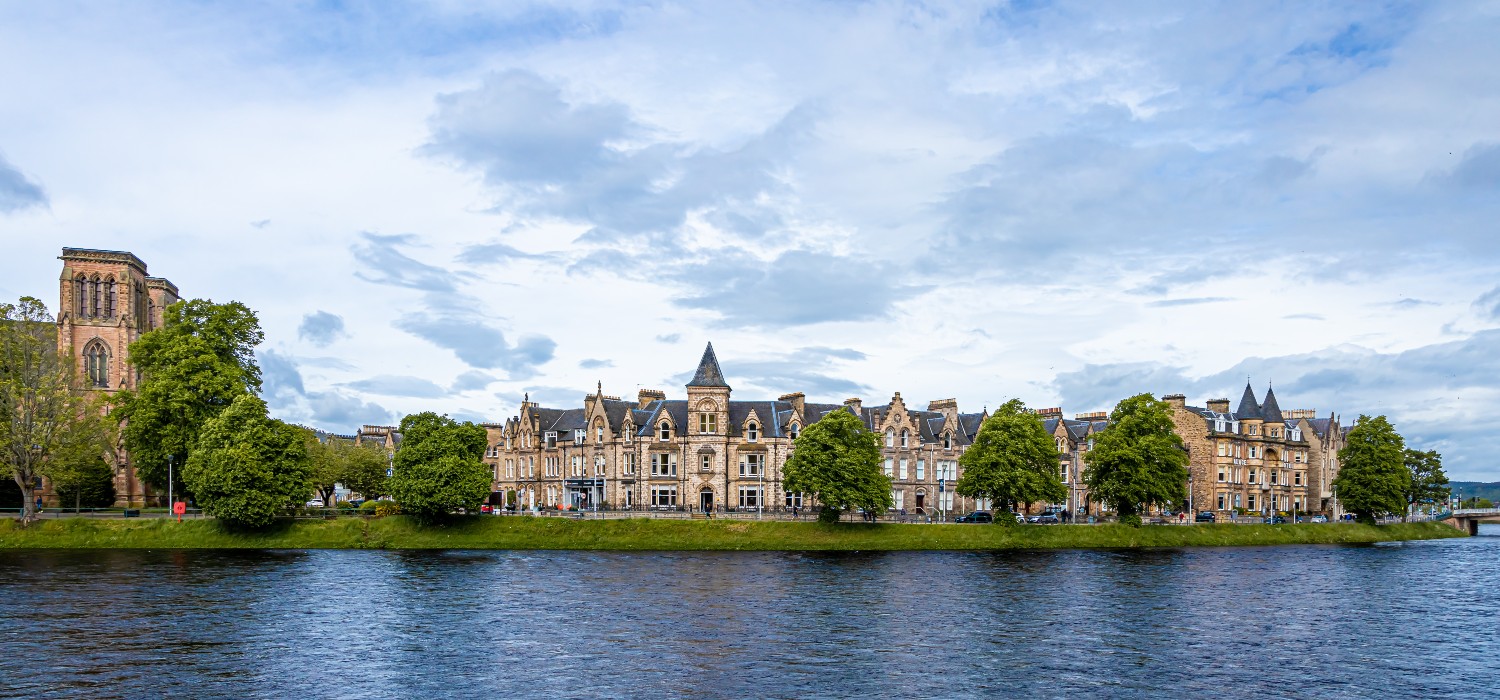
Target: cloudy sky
{"points": [[439, 207]]}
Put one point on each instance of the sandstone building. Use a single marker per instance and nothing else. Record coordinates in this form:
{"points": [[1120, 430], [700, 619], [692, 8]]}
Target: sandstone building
{"points": [[1257, 458], [106, 300], [709, 451]]}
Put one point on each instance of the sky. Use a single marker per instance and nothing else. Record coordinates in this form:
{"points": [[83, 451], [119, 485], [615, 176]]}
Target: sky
{"points": [[445, 206]]}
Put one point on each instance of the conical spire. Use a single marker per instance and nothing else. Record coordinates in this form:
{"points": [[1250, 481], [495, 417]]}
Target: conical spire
{"points": [[709, 374], [1269, 411], [1249, 408]]}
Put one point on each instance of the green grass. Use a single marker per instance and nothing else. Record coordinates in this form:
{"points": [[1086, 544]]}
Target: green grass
{"points": [[646, 534]]}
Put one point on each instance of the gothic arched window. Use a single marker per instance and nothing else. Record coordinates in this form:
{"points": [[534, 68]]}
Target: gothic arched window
{"points": [[752, 431], [81, 296], [905, 437], [109, 298], [96, 293], [664, 431], [96, 363]]}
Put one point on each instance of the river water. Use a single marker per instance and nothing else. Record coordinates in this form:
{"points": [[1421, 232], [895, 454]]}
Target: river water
{"points": [[1418, 619]]}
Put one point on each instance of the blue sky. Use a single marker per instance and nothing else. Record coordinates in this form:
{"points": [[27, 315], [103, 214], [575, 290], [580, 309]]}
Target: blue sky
{"points": [[445, 206]]}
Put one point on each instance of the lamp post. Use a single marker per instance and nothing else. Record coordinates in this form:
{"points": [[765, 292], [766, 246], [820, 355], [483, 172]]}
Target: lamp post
{"points": [[169, 481]]}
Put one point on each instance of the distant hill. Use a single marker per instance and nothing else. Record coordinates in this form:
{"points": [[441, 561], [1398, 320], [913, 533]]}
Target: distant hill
{"points": [[1481, 489]]}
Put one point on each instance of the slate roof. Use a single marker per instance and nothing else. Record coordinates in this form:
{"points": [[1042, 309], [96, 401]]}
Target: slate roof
{"points": [[1249, 408], [1269, 411], [709, 374]]}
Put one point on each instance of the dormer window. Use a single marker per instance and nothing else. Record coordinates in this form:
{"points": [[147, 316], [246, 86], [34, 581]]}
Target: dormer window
{"points": [[947, 441], [664, 431], [551, 439], [579, 436], [905, 438], [1296, 435], [752, 432], [795, 431], [628, 431], [1219, 426]]}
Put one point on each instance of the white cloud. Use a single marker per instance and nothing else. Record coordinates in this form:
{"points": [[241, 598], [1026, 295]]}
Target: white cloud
{"points": [[1058, 201]]}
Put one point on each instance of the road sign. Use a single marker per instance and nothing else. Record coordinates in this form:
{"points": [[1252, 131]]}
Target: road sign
{"points": [[941, 485], [179, 508]]}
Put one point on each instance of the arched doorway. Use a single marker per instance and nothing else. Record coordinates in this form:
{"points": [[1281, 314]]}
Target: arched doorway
{"points": [[921, 501], [706, 499]]}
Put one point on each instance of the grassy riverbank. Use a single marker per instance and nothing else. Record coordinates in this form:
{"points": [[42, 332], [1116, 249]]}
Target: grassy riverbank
{"points": [[647, 534]]}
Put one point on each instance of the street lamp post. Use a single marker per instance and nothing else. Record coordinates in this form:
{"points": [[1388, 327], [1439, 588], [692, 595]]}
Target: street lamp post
{"points": [[169, 481]]}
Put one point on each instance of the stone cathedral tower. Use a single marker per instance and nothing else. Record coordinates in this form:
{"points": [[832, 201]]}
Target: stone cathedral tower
{"points": [[105, 302]]}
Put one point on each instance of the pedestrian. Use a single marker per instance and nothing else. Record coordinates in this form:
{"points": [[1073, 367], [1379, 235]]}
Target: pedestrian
{"points": [[38, 505]]}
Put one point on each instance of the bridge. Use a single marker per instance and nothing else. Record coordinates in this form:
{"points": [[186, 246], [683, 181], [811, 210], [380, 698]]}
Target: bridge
{"points": [[1468, 519]]}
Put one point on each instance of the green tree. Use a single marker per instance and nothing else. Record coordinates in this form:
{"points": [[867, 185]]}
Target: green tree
{"points": [[1012, 461], [1373, 479], [39, 405], [337, 460], [192, 369], [247, 468], [1138, 460], [82, 470], [837, 460], [439, 467], [365, 471], [1429, 485]]}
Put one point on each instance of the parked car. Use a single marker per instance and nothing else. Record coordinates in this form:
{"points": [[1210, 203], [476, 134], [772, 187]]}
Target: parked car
{"points": [[1048, 519], [1206, 516], [1274, 520], [978, 516], [1320, 518], [485, 509], [1033, 518]]}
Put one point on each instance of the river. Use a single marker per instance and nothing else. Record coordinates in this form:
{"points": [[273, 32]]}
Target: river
{"points": [[1415, 619]]}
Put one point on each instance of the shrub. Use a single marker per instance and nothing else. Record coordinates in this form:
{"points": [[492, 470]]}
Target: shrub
{"points": [[1132, 519], [368, 506], [384, 508]]}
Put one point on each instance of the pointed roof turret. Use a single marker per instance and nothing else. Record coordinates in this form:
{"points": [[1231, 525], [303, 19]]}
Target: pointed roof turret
{"points": [[1269, 411], [1249, 408], [709, 374]]}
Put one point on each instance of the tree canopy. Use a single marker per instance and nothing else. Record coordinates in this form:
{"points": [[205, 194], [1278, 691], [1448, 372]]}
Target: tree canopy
{"points": [[247, 468], [1012, 461], [1429, 485], [40, 410], [82, 470], [1138, 460], [192, 369], [1373, 479], [439, 467], [838, 460], [336, 460]]}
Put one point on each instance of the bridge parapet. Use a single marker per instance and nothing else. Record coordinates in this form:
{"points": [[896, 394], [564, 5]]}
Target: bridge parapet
{"points": [[1468, 519]]}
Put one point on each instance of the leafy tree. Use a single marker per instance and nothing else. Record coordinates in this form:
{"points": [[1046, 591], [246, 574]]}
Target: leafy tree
{"points": [[82, 470], [838, 460], [1429, 484], [365, 471], [1373, 479], [338, 461], [1138, 460], [193, 368], [1012, 461], [38, 403], [247, 468], [438, 467]]}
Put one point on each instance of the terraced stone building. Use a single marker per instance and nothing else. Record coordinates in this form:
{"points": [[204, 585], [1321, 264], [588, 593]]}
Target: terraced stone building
{"points": [[709, 451]]}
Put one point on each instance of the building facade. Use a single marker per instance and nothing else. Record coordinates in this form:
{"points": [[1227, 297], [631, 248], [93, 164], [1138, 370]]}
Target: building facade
{"points": [[709, 451], [1257, 459], [106, 301]]}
